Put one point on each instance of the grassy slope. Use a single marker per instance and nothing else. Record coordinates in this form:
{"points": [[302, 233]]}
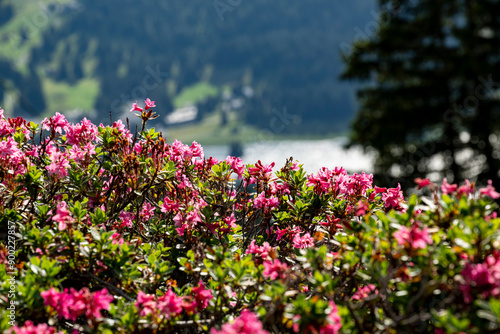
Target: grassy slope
{"points": [[62, 97], [194, 94], [209, 132], [30, 16]]}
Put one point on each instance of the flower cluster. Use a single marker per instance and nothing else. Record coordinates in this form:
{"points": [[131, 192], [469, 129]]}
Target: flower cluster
{"points": [[364, 292], [304, 241], [275, 269], [261, 253], [149, 236], [482, 278], [171, 305], [414, 236], [71, 304], [246, 323], [261, 202], [30, 328]]}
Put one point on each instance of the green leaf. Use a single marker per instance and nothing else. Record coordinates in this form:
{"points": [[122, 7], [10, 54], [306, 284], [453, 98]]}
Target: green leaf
{"points": [[96, 235], [152, 259], [495, 307]]}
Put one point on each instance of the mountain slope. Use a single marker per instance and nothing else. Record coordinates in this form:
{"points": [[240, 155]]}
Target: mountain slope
{"points": [[288, 52]]}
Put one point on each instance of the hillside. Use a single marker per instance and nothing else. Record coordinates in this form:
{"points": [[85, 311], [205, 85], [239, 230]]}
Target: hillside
{"points": [[100, 55]]}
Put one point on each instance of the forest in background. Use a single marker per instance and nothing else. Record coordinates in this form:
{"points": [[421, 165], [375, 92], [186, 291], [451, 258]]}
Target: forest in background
{"points": [[99, 56]]}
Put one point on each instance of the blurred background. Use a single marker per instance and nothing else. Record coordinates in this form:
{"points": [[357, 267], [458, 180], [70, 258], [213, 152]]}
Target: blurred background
{"points": [[409, 86]]}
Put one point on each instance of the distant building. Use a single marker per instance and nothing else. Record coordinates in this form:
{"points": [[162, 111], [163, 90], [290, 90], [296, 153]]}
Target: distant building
{"points": [[182, 115]]}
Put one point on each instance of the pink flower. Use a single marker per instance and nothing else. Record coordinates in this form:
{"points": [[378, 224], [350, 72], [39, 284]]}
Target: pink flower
{"points": [[117, 239], [261, 202], [30, 328], [331, 324], [82, 133], [466, 189], [403, 235], [188, 220], [421, 183], [334, 321], [135, 107], [275, 269], [12, 159], [236, 165], [9, 149], [178, 149], [482, 278], [358, 184], [280, 233], [364, 292], [185, 183], [210, 162], [146, 304], [393, 197], [273, 202], [5, 127], [70, 305], [73, 304], [196, 150], [246, 323], [170, 304], [189, 305], [361, 208], [51, 297], [169, 205], [378, 190], [322, 181], [306, 241], [59, 164], [62, 215], [489, 191], [100, 300], [261, 252], [201, 296], [179, 222], [492, 216], [138, 147], [78, 153], [56, 123], [100, 266], [447, 188], [147, 211], [279, 189], [127, 219], [120, 129], [149, 103], [260, 172], [416, 237], [230, 221], [19, 124]]}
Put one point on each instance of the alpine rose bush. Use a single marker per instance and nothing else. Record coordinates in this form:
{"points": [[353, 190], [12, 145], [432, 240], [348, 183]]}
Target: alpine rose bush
{"points": [[109, 231]]}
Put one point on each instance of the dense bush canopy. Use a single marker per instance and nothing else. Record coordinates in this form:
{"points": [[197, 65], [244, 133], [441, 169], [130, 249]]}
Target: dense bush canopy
{"points": [[114, 232]]}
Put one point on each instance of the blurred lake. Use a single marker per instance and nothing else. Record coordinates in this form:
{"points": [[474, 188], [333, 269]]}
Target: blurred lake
{"points": [[313, 154]]}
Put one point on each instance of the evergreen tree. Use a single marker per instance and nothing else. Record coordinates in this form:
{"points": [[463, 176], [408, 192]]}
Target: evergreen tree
{"points": [[429, 107]]}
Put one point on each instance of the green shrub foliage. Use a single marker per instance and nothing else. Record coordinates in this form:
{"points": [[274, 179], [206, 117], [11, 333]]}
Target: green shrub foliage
{"points": [[114, 232]]}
